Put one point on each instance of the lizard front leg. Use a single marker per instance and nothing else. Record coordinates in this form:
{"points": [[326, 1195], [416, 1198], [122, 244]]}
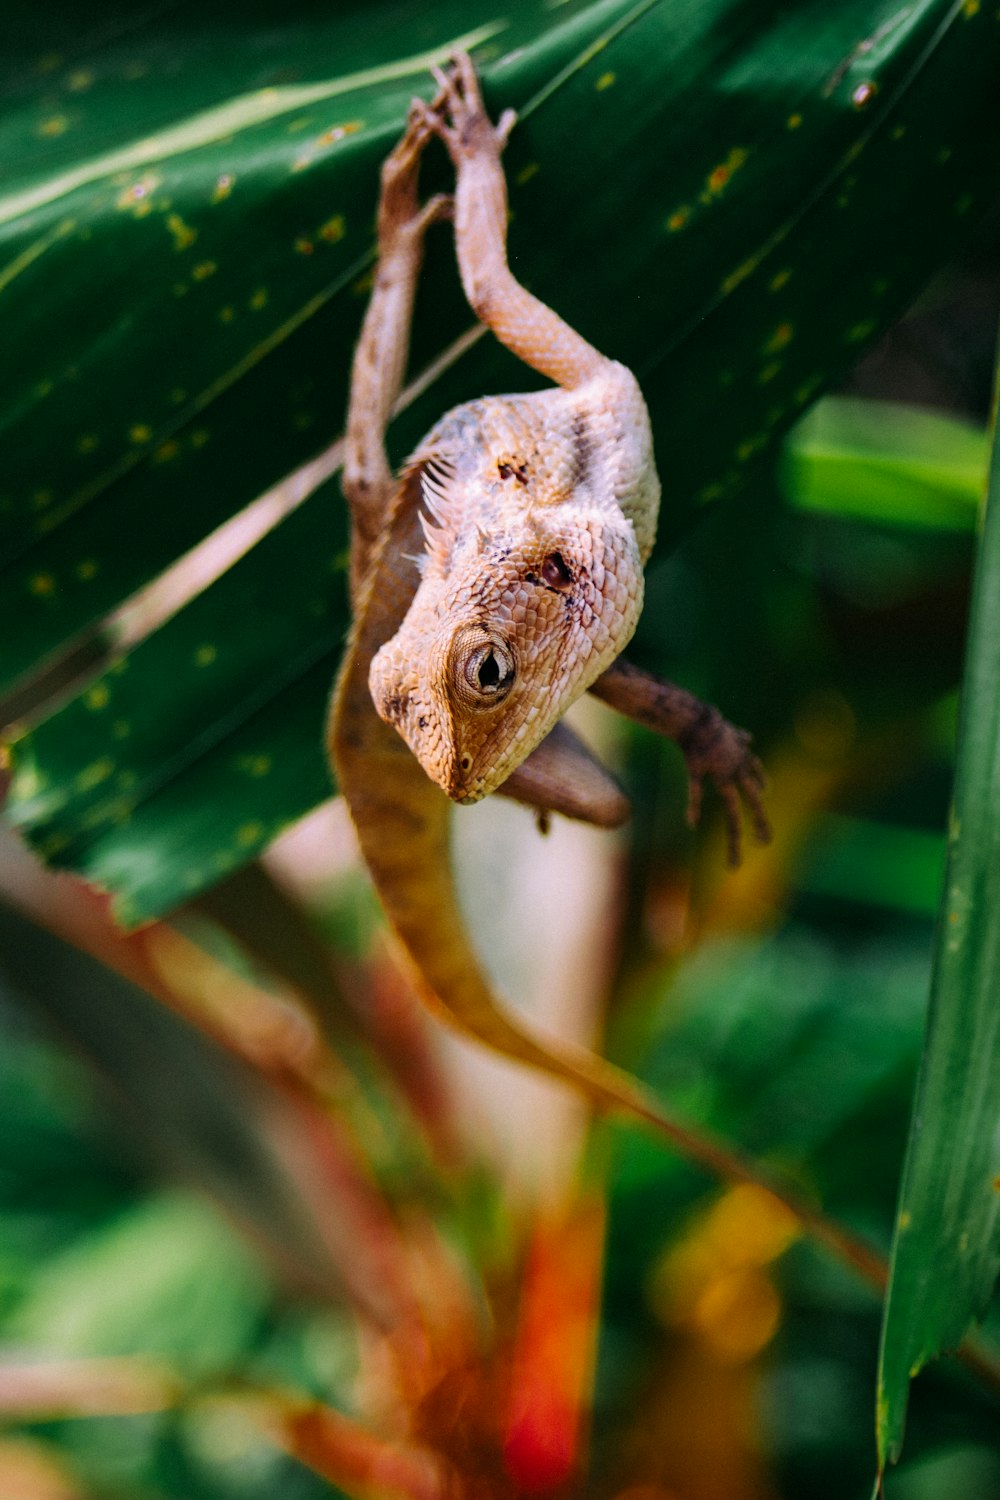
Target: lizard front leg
{"points": [[532, 331], [711, 746], [380, 357]]}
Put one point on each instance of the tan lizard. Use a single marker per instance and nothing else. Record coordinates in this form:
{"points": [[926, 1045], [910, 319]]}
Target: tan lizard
{"points": [[493, 582]]}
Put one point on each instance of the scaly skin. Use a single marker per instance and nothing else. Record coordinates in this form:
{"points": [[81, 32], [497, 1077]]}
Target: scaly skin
{"points": [[542, 510]]}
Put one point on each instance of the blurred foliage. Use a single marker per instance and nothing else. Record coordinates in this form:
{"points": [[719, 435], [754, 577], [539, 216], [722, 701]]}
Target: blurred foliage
{"points": [[249, 1244]]}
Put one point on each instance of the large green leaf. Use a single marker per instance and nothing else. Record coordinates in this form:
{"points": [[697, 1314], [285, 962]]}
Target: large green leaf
{"points": [[734, 197], [946, 1250]]}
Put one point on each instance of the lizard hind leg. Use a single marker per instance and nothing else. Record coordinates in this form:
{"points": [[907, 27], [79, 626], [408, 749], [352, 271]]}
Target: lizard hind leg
{"points": [[562, 775], [381, 353]]}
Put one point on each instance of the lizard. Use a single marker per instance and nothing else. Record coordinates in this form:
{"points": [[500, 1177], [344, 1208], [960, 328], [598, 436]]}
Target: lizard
{"points": [[494, 580]]}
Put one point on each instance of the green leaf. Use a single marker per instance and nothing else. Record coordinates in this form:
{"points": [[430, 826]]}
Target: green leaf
{"points": [[735, 200], [946, 1250], [168, 1278], [888, 463]]}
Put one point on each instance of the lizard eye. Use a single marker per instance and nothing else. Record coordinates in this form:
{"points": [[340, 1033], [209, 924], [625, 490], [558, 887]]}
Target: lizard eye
{"points": [[555, 572], [490, 672], [482, 668]]}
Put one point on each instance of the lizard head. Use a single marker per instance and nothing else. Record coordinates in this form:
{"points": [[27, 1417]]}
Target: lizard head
{"points": [[506, 629]]}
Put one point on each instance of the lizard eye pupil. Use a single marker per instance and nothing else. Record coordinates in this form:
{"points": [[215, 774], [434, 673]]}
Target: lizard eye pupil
{"points": [[555, 572], [489, 671]]}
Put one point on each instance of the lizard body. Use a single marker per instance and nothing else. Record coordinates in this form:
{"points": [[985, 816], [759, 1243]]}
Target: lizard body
{"points": [[493, 582]]}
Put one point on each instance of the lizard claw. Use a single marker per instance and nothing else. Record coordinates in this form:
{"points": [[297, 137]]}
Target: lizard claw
{"points": [[715, 748], [458, 114], [400, 211]]}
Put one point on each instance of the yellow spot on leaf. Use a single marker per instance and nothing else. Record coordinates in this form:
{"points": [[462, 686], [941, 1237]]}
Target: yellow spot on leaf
{"points": [[303, 246], [223, 187], [42, 584], [43, 389], [249, 834], [750, 446], [259, 299], [970, 9], [205, 656], [204, 269], [166, 451], [338, 132], [98, 696], [793, 122], [80, 80], [255, 765], [527, 173], [897, 133], [364, 284], [767, 372], [140, 433], [87, 570], [678, 218], [860, 331], [808, 389], [709, 492], [182, 234], [54, 125], [333, 230], [137, 197], [87, 443], [604, 82], [719, 176], [226, 314], [94, 774], [733, 280], [780, 339]]}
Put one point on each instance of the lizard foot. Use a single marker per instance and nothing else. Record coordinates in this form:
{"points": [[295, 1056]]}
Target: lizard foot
{"points": [[459, 116], [400, 212], [713, 747]]}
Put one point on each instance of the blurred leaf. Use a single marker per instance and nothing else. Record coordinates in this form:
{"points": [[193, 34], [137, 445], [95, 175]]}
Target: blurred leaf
{"points": [[167, 1279], [876, 864], [210, 1115], [762, 191], [885, 462], [946, 1251]]}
